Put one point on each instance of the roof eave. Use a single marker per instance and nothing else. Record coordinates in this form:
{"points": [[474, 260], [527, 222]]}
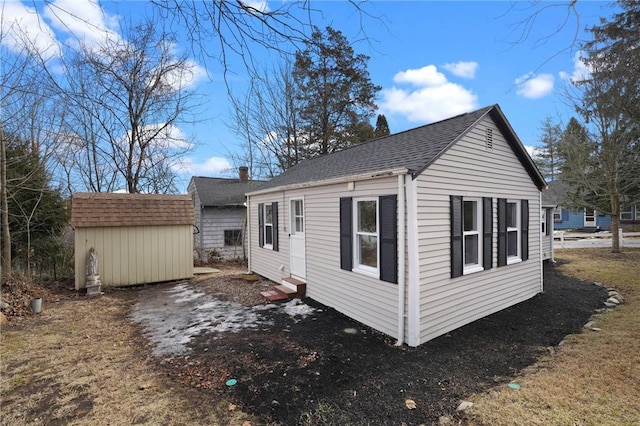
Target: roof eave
{"points": [[345, 178]]}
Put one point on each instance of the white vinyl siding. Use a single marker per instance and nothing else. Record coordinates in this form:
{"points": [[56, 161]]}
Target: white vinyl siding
{"points": [[214, 222], [469, 170], [364, 298]]}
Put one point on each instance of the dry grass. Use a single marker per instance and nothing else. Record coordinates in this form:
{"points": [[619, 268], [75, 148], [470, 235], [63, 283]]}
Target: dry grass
{"points": [[593, 379], [81, 362]]}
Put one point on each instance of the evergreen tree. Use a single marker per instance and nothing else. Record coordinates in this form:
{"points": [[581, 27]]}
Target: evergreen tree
{"points": [[602, 169], [547, 157], [335, 92], [382, 127], [38, 215]]}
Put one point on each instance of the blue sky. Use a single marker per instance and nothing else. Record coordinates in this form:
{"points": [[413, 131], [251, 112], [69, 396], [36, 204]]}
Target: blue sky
{"points": [[432, 59]]}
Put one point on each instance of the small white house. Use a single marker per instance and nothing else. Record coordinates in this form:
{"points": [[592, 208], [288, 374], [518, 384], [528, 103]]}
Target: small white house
{"points": [[414, 234], [220, 210]]}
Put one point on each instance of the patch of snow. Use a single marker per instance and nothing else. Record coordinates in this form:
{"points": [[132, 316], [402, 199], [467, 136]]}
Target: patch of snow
{"points": [[172, 318]]}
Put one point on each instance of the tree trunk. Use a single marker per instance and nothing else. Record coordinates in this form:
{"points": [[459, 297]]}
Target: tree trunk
{"points": [[615, 224], [6, 270]]}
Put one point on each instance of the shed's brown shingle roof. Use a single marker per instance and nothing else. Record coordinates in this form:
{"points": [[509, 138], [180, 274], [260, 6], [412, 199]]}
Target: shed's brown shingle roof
{"points": [[108, 209]]}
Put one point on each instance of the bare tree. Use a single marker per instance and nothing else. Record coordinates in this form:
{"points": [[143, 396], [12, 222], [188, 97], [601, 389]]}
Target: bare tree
{"points": [[605, 172], [125, 101], [267, 120], [240, 28]]}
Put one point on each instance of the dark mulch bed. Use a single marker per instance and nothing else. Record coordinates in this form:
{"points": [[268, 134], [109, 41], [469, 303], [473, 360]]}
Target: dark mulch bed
{"points": [[313, 372]]}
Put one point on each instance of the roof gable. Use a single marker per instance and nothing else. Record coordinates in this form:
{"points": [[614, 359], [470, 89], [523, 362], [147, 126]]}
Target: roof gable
{"points": [[222, 191], [413, 150], [109, 209]]}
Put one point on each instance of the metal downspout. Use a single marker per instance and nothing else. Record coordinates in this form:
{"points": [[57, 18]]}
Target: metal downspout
{"points": [[540, 236], [401, 259], [248, 213]]}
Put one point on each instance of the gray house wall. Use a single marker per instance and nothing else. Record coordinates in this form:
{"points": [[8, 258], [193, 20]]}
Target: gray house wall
{"points": [[361, 297], [470, 169], [214, 221]]}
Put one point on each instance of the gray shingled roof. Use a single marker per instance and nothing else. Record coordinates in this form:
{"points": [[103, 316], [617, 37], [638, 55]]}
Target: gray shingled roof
{"points": [[223, 192], [413, 150]]}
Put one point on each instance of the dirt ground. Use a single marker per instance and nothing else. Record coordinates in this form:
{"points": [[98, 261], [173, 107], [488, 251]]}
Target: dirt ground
{"points": [[328, 369]]}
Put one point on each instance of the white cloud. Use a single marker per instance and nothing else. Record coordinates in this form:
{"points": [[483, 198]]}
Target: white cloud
{"points": [[22, 25], [425, 76], [211, 166], [262, 6], [462, 69], [431, 98], [581, 70], [84, 20], [534, 87]]}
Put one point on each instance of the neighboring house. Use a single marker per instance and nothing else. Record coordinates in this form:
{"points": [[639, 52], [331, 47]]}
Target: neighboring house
{"points": [[547, 227], [220, 212], [567, 219], [630, 217], [414, 234], [139, 238]]}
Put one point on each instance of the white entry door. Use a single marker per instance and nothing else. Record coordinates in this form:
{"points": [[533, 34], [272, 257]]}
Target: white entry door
{"points": [[589, 218], [296, 239]]}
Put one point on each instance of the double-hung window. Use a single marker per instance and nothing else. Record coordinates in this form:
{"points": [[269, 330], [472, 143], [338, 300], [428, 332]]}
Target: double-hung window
{"points": [[369, 237], [366, 235], [626, 212], [513, 231], [472, 235], [268, 225]]}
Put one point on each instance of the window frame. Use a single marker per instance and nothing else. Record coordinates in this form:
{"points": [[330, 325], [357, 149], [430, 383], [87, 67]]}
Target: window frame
{"points": [[626, 212], [511, 259], [357, 265], [557, 214], [469, 268], [236, 237], [267, 227]]}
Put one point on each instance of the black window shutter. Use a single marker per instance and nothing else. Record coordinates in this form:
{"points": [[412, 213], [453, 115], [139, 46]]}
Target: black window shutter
{"points": [[261, 225], [524, 209], [487, 231], [389, 238], [274, 209], [502, 231], [456, 235], [346, 242]]}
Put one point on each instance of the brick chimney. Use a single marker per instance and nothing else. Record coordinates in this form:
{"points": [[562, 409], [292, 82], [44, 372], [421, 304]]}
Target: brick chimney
{"points": [[243, 172]]}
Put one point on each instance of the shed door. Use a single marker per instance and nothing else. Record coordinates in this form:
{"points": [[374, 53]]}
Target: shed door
{"points": [[296, 239]]}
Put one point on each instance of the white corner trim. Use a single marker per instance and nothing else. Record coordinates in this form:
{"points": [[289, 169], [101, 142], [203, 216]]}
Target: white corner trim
{"points": [[413, 287]]}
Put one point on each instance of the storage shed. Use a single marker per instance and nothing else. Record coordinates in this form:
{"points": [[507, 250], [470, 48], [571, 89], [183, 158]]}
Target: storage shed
{"points": [[139, 238]]}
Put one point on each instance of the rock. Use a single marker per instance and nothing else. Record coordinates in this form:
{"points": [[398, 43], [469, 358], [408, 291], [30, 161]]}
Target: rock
{"points": [[4, 305], [598, 284], [596, 329], [3, 319], [610, 305], [588, 325], [410, 404], [613, 300], [444, 420], [464, 405]]}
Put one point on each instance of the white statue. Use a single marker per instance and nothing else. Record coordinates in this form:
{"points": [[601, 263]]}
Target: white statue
{"points": [[93, 269]]}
